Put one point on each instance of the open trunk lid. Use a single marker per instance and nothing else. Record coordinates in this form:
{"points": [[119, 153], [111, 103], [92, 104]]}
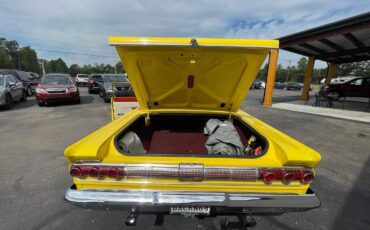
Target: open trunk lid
{"points": [[189, 73]]}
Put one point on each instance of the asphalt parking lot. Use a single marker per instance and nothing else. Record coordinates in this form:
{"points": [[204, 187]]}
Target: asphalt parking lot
{"points": [[33, 170]]}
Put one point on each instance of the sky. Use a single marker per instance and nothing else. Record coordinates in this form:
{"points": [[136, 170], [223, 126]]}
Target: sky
{"points": [[77, 31]]}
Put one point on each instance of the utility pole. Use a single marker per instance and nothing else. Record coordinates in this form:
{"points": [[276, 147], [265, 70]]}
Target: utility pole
{"points": [[287, 76], [43, 68], [19, 58]]}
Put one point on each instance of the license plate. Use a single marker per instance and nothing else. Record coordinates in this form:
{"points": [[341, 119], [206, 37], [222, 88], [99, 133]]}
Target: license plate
{"points": [[190, 210]]}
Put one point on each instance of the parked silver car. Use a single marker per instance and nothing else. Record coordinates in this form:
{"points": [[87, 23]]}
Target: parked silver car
{"points": [[11, 89]]}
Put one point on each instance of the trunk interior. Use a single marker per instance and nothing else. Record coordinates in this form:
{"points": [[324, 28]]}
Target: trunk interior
{"points": [[183, 135]]}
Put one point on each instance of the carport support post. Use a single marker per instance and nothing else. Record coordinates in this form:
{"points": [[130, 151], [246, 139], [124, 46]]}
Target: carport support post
{"points": [[271, 74], [308, 78], [330, 72]]}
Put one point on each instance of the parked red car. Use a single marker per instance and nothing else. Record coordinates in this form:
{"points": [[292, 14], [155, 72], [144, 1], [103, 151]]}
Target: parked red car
{"points": [[357, 87], [56, 87]]}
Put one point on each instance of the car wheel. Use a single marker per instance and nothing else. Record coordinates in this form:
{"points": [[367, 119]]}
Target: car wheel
{"points": [[106, 99], [24, 96], [29, 91], [100, 94], [334, 95], [78, 101], [90, 92], [8, 101], [41, 103]]}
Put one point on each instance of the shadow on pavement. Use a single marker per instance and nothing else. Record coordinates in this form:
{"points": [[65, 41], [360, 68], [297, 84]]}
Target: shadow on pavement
{"points": [[285, 99], [31, 101], [226, 224], [355, 213], [84, 100]]}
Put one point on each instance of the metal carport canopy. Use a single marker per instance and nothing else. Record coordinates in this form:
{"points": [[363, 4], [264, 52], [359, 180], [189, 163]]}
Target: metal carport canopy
{"points": [[343, 41]]}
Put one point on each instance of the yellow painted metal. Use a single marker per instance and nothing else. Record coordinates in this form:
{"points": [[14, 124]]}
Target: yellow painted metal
{"points": [[308, 78], [183, 73], [173, 41], [330, 73], [267, 99], [283, 151]]}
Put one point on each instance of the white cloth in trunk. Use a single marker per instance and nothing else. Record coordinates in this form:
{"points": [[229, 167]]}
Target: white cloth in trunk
{"points": [[223, 138], [131, 143]]}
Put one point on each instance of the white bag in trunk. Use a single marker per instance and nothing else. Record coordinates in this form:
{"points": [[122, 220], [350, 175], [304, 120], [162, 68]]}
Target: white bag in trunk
{"points": [[131, 143], [223, 138]]}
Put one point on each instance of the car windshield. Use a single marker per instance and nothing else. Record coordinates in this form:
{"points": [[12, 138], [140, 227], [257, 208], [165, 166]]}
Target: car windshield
{"points": [[356, 82], [114, 78], [1, 80], [83, 76], [56, 80], [96, 78]]}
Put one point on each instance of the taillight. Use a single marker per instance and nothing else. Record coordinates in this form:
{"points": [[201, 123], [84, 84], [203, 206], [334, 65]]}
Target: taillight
{"points": [[307, 177], [286, 176], [195, 173], [115, 172], [267, 176], [75, 171], [94, 172], [97, 171]]}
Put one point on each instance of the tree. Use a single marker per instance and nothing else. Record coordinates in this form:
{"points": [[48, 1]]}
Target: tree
{"points": [[302, 64], [108, 69], [5, 58], [355, 69], [280, 73], [12, 48], [301, 69], [56, 66], [119, 68], [74, 69], [29, 61]]}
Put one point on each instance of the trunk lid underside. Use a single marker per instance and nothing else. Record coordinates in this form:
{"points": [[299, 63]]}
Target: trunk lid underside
{"points": [[211, 74]]}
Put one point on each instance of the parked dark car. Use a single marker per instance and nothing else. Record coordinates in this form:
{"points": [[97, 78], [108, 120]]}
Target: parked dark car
{"points": [[93, 84], [24, 77], [56, 87], [279, 85], [35, 76], [120, 86], [294, 86], [10, 90], [256, 85], [357, 87]]}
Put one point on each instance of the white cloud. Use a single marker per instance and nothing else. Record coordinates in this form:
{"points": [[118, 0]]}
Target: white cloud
{"points": [[83, 26]]}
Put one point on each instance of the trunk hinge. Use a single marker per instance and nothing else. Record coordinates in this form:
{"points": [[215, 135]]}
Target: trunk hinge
{"points": [[230, 118], [147, 119]]}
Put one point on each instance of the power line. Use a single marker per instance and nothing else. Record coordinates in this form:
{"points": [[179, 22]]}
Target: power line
{"points": [[67, 52]]}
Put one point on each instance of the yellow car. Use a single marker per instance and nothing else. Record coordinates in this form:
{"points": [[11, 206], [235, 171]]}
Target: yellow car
{"points": [[164, 157]]}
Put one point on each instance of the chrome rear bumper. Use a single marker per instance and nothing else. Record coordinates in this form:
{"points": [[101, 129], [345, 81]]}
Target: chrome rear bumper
{"points": [[157, 199]]}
